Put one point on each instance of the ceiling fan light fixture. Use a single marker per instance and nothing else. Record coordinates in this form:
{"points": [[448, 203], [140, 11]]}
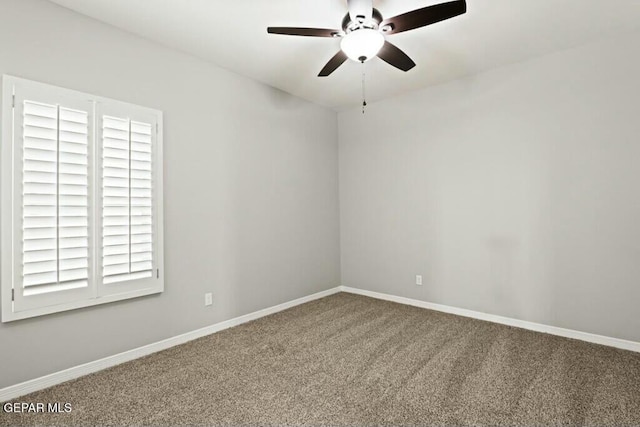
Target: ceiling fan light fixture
{"points": [[363, 44]]}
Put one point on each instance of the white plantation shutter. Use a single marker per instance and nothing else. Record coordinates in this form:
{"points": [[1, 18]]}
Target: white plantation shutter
{"points": [[81, 181], [55, 198], [127, 216]]}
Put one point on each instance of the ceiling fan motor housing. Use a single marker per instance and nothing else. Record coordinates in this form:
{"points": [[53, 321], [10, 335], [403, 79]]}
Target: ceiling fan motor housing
{"points": [[348, 25]]}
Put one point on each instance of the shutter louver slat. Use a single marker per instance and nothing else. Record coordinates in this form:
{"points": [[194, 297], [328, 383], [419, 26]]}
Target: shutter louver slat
{"points": [[39, 245], [55, 229], [39, 233], [73, 253], [127, 226], [41, 267], [38, 256], [116, 250], [35, 279]]}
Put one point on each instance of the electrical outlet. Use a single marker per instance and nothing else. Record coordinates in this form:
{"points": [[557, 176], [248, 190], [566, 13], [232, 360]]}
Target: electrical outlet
{"points": [[419, 280], [208, 298]]}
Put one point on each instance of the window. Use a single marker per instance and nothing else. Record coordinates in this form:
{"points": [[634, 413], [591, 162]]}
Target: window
{"points": [[81, 200]]}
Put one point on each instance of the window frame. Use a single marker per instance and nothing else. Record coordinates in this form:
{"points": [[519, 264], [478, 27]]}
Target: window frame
{"points": [[10, 213]]}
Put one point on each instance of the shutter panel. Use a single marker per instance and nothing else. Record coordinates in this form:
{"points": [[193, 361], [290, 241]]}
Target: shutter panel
{"points": [[127, 217], [55, 205]]}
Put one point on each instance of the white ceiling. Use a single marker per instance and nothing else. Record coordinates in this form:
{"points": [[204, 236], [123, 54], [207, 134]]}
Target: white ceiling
{"points": [[232, 34]]}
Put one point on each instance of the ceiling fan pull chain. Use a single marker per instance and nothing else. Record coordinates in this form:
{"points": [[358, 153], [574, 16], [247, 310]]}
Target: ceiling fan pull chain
{"points": [[364, 99]]}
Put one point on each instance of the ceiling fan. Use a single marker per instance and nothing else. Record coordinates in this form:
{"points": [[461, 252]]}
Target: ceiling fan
{"points": [[364, 30]]}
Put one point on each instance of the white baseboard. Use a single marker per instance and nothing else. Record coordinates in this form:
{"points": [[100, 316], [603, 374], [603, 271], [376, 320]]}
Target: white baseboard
{"points": [[553, 330], [17, 390]]}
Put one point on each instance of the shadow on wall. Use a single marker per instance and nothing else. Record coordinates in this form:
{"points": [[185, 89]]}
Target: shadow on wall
{"points": [[282, 100], [502, 256]]}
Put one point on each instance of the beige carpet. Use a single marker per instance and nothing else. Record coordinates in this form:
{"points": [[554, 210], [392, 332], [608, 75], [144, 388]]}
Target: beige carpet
{"points": [[352, 361]]}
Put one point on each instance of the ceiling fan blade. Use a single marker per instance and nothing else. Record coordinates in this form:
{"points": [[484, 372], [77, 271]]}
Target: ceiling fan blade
{"points": [[362, 8], [308, 32], [394, 56], [337, 60], [425, 16]]}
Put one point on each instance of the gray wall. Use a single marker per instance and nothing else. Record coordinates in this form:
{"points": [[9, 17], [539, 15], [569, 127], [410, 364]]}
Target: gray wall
{"points": [[515, 192], [251, 188]]}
